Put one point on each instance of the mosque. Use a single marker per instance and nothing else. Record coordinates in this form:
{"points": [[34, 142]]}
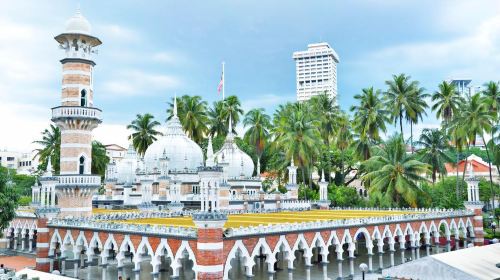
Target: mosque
{"points": [[173, 173]]}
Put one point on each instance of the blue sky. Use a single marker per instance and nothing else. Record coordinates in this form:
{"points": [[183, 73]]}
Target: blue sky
{"points": [[153, 49]]}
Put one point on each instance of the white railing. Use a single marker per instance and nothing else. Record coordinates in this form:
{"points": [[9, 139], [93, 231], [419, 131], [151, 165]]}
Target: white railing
{"points": [[342, 223], [123, 227], [295, 204], [75, 111], [79, 180]]}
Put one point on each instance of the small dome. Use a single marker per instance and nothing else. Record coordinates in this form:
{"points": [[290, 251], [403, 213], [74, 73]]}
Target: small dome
{"points": [[78, 24], [181, 151], [239, 163], [126, 167]]}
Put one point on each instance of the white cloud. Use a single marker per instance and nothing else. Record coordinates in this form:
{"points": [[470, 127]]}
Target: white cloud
{"points": [[138, 83], [266, 101], [115, 32], [475, 54], [112, 134]]}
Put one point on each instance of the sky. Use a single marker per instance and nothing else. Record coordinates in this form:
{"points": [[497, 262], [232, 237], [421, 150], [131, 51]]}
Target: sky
{"points": [[154, 49]]}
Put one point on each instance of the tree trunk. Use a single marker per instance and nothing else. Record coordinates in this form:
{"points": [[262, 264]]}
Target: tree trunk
{"points": [[465, 165], [411, 136], [491, 177], [456, 146], [401, 125]]}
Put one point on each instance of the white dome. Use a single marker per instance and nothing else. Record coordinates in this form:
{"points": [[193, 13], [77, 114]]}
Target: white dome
{"points": [[125, 169], [238, 161], [182, 152], [78, 24]]}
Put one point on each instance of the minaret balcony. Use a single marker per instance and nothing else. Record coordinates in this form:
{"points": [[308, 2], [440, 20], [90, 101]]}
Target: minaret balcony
{"points": [[76, 112], [79, 180]]}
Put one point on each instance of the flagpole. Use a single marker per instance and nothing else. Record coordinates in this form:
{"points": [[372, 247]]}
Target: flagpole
{"points": [[223, 81]]}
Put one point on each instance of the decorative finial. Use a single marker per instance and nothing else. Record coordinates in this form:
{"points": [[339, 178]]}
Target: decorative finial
{"points": [[291, 162], [78, 10], [48, 169], [175, 105], [230, 128], [323, 175]]}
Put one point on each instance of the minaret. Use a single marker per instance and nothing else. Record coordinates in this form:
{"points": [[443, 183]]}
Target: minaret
{"points": [[474, 204], [77, 117], [210, 153], [292, 187], [323, 203]]}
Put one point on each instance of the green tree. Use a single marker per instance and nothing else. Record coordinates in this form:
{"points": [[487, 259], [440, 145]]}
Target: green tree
{"points": [[343, 196], [217, 123], [442, 194], [418, 106], [144, 132], [476, 120], [434, 144], [400, 99], [447, 101], [394, 175], [296, 133], [8, 199], [370, 116], [50, 147], [326, 111], [99, 158], [232, 107], [193, 115], [257, 134]]}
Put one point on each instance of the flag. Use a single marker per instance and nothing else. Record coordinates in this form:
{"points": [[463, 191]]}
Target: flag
{"points": [[221, 83]]}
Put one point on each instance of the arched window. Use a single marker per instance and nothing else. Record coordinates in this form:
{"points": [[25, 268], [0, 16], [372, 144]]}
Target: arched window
{"points": [[366, 193], [81, 168], [360, 192], [83, 98]]}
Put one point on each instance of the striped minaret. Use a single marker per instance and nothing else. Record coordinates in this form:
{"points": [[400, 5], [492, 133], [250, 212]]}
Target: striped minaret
{"points": [[77, 117]]}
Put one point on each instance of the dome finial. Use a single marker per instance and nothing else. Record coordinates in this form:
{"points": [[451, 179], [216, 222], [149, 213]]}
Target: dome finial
{"points": [[230, 126], [323, 175], [78, 10], [175, 105]]}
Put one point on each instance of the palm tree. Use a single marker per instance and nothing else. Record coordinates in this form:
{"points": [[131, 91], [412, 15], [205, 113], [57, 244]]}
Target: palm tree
{"points": [[342, 142], [51, 147], [192, 113], [476, 119], [492, 94], [447, 101], [297, 134], [326, 111], [370, 115], [418, 105], [434, 144], [218, 126], [232, 107], [399, 98], [394, 175], [258, 132], [144, 132], [99, 158]]}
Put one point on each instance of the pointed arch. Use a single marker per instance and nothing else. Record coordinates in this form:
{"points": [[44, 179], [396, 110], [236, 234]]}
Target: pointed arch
{"points": [[179, 255], [56, 238], [261, 244], [81, 241], [238, 245], [95, 242], [164, 245], [144, 245], [126, 241]]}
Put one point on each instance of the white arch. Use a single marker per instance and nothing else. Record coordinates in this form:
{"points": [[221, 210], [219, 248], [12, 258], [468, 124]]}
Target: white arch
{"points": [[95, 241], [110, 241], [446, 227], [56, 238], [68, 238], [126, 241], [164, 245], [238, 245], [81, 241], [144, 245], [179, 256], [261, 244], [334, 239]]}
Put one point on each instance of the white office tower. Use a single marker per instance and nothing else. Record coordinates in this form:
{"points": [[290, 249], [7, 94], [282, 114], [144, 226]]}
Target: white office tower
{"points": [[316, 71]]}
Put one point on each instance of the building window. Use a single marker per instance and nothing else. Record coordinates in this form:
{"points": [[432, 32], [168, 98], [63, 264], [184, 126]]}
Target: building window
{"points": [[83, 98], [81, 168], [10, 158]]}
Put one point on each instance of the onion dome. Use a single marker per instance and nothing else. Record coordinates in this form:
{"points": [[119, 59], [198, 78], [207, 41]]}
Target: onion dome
{"points": [[78, 24], [127, 166], [182, 152], [238, 162]]}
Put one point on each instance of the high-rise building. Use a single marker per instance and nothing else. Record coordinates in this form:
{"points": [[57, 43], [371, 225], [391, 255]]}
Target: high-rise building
{"points": [[316, 71]]}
